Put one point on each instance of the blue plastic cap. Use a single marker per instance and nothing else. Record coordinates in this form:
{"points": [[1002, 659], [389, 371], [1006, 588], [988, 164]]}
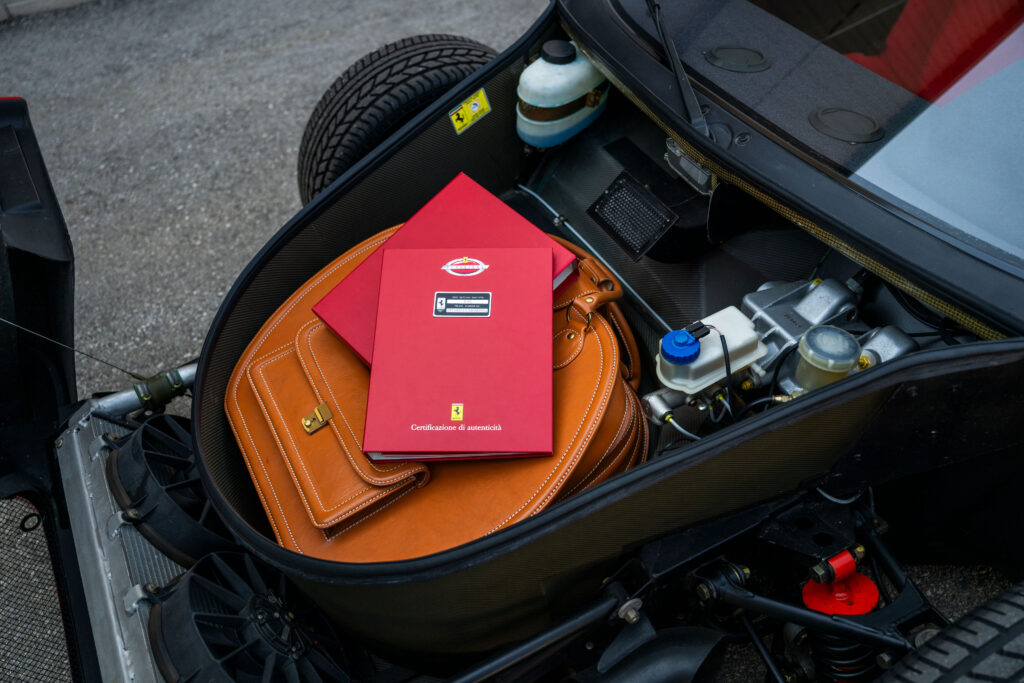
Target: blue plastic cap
{"points": [[679, 347]]}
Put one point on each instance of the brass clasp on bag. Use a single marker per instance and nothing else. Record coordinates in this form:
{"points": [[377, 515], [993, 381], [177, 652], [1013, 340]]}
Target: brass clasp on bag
{"points": [[317, 419]]}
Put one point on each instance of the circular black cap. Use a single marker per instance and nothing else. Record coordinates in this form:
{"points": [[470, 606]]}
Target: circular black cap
{"points": [[558, 52], [736, 58], [846, 125]]}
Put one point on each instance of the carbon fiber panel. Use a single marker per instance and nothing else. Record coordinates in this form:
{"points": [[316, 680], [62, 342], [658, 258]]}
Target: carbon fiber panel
{"points": [[700, 280]]}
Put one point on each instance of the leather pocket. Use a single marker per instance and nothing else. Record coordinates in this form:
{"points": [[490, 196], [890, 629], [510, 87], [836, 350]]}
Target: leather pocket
{"points": [[334, 479]]}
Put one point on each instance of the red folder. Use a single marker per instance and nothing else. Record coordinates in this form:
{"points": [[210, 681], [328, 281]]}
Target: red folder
{"points": [[463, 214], [462, 355]]}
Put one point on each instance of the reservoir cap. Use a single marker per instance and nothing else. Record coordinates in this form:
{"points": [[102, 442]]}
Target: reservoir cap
{"points": [[679, 347], [558, 52], [829, 348]]}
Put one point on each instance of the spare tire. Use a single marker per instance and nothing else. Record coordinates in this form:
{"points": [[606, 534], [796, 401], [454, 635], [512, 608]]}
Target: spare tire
{"points": [[375, 97], [985, 645]]}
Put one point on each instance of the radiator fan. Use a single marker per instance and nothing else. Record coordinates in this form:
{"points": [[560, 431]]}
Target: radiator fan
{"points": [[153, 475], [233, 618]]}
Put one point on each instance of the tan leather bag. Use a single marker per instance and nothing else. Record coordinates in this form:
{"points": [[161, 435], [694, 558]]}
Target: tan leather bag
{"points": [[325, 498]]}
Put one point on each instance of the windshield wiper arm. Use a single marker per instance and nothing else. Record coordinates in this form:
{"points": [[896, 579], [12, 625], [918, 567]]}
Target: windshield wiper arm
{"points": [[691, 107]]}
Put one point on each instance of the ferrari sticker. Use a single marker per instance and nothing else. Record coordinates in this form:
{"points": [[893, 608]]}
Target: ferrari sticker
{"points": [[456, 412], [470, 111]]}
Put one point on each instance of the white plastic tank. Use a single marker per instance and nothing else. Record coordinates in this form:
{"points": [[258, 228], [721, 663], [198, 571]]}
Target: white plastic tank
{"points": [[560, 94]]}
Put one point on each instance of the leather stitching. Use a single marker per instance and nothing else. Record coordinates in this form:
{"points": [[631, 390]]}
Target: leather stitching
{"points": [[378, 510], [562, 457], [585, 442], [384, 482], [625, 344], [627, 415], [575, 352], [259, 491], [337, 405], [566, 302], [341, 522], [277, 437], [252, 350]]}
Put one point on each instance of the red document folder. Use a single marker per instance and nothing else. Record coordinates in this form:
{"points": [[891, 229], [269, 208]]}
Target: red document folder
{"points": [[462, 355], [463, 214]]}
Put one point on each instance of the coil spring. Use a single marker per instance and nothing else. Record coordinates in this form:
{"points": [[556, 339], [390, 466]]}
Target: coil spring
{"points": [[841, 659]]}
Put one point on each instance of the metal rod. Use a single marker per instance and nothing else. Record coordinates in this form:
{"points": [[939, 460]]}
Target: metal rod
{"points": [[570, 627], [733, 595], [769, 661], [177, 381]]}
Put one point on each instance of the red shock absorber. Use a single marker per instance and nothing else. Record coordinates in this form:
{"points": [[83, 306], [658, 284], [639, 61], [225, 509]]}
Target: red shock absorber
{"points": [[841, 590]]}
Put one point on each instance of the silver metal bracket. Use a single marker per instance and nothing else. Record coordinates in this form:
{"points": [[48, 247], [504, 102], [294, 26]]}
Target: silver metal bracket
{"points": [[696, 175]]}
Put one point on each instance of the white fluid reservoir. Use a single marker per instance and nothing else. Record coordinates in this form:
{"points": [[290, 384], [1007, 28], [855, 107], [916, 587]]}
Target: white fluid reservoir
{"points": [[560, 94]]}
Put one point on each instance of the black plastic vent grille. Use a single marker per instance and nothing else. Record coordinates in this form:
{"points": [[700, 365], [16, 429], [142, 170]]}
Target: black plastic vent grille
{"points": [[632, 215]]}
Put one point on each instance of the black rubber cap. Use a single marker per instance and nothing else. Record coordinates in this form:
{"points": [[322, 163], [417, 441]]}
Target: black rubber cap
{"points": [[738, 59], [846, 125], [558, 52]]}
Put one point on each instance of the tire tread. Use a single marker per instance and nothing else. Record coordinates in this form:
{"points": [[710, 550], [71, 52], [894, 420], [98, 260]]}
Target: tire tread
{"points": [[985, 645], [375, 96]]}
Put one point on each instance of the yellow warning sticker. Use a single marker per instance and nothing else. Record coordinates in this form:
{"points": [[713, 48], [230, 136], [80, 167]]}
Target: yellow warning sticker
{"points": [[470, 111], [456, 412]]}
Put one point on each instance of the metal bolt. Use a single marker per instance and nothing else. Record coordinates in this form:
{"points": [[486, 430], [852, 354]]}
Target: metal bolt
{"points": [[260, 616], [742, 139], [747, 385], [557, 221], [589, 645], [863, 362], [151, 587], [571, 335], [821, 573], [589, 299], [704, 591], [884, 660], [306, 422], [291, 615], [924, 636], [859, 552], [132, 513], [629, 610]]}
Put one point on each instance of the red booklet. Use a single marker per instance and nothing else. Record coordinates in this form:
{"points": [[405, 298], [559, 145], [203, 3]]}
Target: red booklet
{"points": [[462, 355], [463, 214]]}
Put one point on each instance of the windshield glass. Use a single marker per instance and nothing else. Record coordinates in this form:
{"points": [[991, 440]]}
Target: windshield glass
{"points": [[959, 160], [916, 102]]}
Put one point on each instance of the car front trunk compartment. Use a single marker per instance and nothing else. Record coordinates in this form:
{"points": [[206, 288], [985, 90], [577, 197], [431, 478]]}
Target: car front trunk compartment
{"points": [[507, 586]]}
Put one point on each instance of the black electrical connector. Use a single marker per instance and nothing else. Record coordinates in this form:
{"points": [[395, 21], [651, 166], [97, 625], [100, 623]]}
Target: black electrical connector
{"points": [[699, 330]]}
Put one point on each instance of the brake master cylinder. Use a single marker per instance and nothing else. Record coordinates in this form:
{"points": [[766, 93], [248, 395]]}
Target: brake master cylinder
{"points": [[690, 365], [560, 94]]}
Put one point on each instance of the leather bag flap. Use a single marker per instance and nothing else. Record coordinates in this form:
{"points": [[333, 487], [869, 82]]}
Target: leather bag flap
{"points": [[333, 477]]}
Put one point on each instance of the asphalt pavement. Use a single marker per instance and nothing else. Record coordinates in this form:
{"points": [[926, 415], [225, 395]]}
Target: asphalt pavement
{"points": [[170, 129]]}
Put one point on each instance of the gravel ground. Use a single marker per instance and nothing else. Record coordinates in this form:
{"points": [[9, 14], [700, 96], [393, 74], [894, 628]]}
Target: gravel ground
{"points": [[170, 129]]}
